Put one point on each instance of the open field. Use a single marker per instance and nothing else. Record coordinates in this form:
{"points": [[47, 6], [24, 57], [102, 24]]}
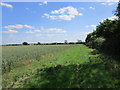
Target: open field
{"points": [[60, 44], [14, 56], [72, 67]]}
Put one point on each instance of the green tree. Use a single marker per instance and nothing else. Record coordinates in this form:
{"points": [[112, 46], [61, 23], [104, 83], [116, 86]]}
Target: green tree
{"points": [[25, 43], [38, 43], [117, 13], [106, 36]]}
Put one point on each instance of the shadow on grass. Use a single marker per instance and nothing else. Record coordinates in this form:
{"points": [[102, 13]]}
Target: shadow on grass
{"points": [[89, 75]]}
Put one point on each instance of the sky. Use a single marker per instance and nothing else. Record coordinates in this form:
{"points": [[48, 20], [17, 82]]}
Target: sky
{"points": [[47, 22]]}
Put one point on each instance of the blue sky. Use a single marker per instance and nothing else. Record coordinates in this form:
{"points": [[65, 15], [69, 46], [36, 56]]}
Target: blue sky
{"points": [[52, 21]]}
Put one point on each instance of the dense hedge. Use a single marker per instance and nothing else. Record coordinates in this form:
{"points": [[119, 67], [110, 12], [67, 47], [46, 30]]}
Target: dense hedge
{"points": [[106, 37]]}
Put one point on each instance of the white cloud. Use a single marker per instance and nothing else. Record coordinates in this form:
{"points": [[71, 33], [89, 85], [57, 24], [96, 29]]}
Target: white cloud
{"points": [[33, 31], [112, 0], [60, 17], [40, 4], [56, 30], [44, 30], [67, 10], [92, 8], [93, 26], [28, 26], [37, 31], [43, 3], [108, 3], [10, 31], [6, 5], [18, 26], [66, 17], [82, 8], [30, 31], [66, 13], [111, 18]]}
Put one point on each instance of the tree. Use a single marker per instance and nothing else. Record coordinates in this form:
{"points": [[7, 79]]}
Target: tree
{"points": [[99, 42], [25, 43], [65, 42], [38, 43], [117, 13], [106, 36], [79, 42]]}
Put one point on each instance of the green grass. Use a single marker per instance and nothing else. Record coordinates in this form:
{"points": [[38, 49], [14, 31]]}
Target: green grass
{"points": [[25, 59], [14, 56], [75, 67]]}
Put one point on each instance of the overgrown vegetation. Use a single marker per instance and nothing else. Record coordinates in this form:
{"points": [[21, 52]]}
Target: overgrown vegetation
{"points": [[75, 68], [106, 36], [67, 66]]}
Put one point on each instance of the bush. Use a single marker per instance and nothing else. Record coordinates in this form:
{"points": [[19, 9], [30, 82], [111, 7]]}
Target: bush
{"points": [[94, 52], [25, 43], [99, 42]]}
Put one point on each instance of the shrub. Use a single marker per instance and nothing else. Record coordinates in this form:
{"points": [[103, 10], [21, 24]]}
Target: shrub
{"points": [[99, 42], [25, 43], [94, 52]]}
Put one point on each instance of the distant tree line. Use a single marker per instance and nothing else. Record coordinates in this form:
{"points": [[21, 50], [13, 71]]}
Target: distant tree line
{"points": [[55, 43], [106, 37]]}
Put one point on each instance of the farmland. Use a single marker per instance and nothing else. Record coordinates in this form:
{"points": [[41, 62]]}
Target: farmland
{"points": [[19, 56], [13, 56], [60, 45], [62, 66]]}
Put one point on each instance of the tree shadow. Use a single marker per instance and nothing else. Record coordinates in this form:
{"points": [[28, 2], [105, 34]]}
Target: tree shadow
{"points": [[88, 75]]}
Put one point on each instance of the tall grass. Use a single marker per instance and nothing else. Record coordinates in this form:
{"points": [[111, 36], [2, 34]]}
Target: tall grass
{"points": [[78, 67], [12, 56]]}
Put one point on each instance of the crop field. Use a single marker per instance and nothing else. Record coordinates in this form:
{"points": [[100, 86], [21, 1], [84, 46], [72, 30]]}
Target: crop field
{"points": [[13, 56], [60, 45], [49, 66]]}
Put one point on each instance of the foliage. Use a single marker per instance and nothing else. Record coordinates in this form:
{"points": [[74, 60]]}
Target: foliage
{"points": [[94, 52], [77, 68], [99, 42], [118, 11], [25, 43], [38, 43], [106, 36]]}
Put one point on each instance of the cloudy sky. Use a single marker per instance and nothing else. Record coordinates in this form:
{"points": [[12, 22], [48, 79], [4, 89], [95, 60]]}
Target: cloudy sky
{"points": [[52, 21]]}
